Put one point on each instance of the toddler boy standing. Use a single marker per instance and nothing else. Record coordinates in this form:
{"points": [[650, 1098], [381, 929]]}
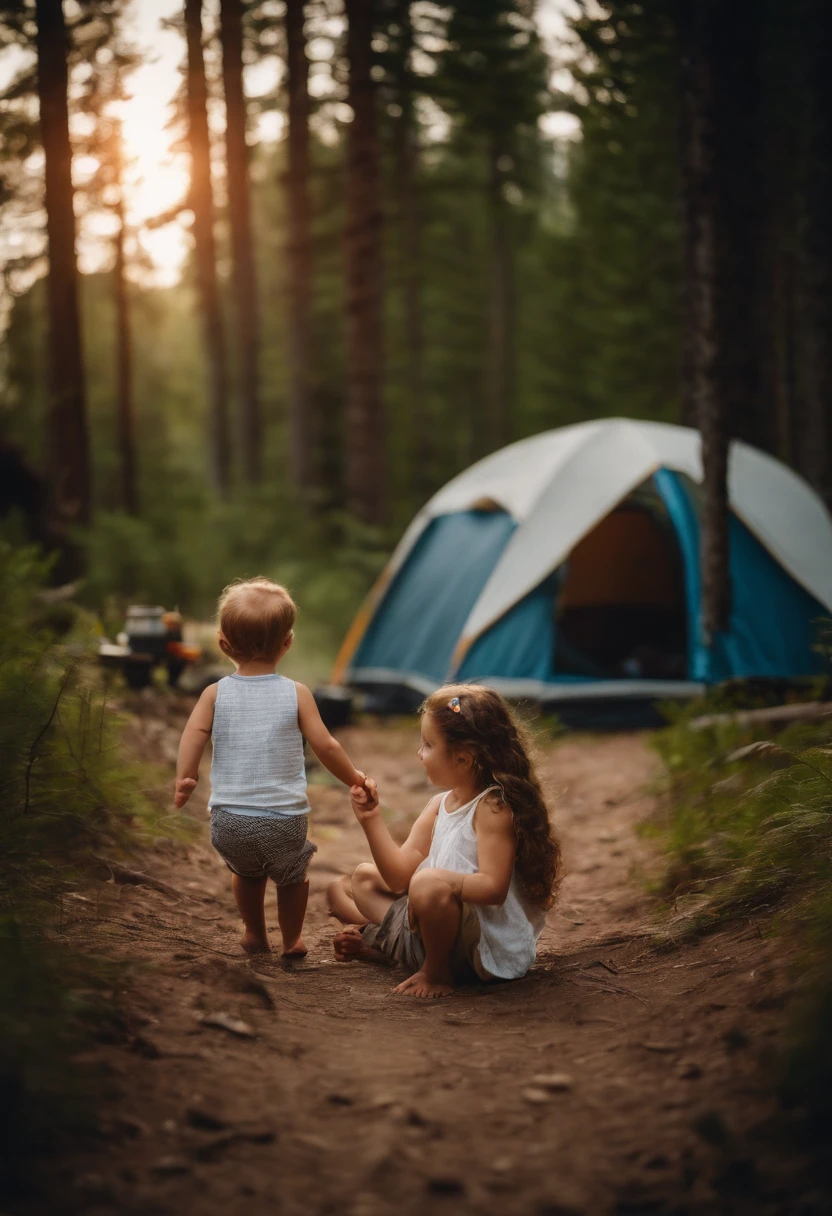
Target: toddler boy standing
{"points": [[257, 721]]}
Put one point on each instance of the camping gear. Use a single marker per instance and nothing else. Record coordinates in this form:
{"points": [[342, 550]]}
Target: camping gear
{"points": [[566, 566], [152, 637]]}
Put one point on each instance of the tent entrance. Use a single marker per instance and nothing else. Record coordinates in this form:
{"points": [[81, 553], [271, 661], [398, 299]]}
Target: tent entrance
{"points": [[620, 607]]}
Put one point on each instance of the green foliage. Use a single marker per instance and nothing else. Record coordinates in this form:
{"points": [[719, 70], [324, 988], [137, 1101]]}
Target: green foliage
{"points": [[747, 826], [66, 794]]}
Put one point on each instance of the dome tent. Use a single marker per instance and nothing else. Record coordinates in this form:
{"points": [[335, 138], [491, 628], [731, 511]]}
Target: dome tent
{"points": [[567, 566]]}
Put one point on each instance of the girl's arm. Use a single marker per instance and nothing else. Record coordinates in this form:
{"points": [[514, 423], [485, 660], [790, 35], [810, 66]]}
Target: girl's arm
{"points": [[496, 849], [196, 734], [328, 750], [396, 863]]}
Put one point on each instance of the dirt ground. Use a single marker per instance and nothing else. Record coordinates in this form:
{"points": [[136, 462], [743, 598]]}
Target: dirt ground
{"points": [[619, 1076]]}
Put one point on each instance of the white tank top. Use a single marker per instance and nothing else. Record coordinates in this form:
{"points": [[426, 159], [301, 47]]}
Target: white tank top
{"points": [[258, 748], [508, 933]]}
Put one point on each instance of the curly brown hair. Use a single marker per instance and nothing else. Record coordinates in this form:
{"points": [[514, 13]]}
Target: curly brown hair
{"points": [[484, 726]]}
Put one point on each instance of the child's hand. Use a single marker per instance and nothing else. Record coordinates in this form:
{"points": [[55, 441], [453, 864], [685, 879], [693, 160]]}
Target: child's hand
{"points": [[185, 786], [364, 799]]}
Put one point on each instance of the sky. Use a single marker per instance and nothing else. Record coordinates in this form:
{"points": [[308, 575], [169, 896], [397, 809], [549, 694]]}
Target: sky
{"points": [[157, 176]]}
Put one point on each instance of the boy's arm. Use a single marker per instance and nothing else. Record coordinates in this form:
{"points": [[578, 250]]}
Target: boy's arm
{"points": [[196, 734], [396, 863], [328, 750], [496, 850]]}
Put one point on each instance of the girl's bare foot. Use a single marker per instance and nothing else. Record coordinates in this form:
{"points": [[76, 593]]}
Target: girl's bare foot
{"points": [[349, 945], [420, 985], [298, 950], [252, 943]]}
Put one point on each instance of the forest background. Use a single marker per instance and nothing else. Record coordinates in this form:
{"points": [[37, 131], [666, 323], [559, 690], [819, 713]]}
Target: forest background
{"points": [[341, 287], [432, 232]]}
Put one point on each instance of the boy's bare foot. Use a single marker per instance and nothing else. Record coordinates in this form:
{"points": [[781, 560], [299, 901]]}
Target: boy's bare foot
{"points": [[349, 945], [298, 950], [420, 985], [252, 943]]}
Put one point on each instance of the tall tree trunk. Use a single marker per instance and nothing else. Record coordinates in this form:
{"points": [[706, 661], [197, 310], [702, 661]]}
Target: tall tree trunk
{"points": [[365, 409], [303, 428], [239, 209], [815, 246], [421, 429], [501, 329], [125, 414], [202, 204], [68, 456], [701, 387], [734, 53]]}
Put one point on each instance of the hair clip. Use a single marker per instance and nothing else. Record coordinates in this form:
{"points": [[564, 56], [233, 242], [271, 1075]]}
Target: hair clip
{"points": [[454, 705]]}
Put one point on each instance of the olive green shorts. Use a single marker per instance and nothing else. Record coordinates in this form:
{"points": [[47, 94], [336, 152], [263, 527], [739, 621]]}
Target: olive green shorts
{"points": [[398, 937]]}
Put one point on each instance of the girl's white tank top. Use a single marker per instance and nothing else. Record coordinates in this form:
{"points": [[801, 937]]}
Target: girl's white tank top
{"points": [[509, 932]]}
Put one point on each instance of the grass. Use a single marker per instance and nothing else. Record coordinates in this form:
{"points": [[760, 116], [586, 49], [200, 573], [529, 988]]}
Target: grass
{"points": [[66, 793], [746, 826]]}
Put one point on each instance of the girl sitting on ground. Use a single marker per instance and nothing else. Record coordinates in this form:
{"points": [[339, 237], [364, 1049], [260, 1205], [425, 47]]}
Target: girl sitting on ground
{"points": [[465, 896]]}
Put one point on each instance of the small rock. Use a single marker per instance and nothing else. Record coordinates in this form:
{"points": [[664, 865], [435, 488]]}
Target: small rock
{"points": [[226, 1021], [338, 1099], [689, 1071], [537, 1096], [554, 1082], [502, 1165], [169, 1126], [169, 1167]]}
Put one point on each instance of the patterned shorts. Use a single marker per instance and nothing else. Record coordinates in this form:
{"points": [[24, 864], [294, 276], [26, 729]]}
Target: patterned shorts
{"points": [[263, 846]]}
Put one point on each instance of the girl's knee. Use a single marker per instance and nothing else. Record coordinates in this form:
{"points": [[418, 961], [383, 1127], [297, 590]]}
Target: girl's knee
{"points": [[366, 875], [429, 890]]}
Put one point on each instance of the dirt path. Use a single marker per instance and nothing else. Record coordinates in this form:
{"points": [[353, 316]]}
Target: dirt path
{"points": [[615, 1078]]}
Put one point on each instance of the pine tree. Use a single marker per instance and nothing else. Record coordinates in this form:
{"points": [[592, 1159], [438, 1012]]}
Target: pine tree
{"points": [[365, 406], [242, 247], [302, 419], [202, 203], [493, 79], [68, 456]]}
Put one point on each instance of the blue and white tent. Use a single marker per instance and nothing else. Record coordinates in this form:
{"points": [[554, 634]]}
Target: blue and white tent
{"points": [[567, 566]]}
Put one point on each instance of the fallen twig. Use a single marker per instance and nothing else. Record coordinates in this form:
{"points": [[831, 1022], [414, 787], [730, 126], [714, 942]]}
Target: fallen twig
{"points": [[135, 878]]}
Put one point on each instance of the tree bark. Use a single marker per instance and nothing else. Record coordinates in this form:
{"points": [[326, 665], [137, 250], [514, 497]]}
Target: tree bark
{"points": [[815, 252], [303, 429], [68, 455], [410, 253], [705, 402], [734, 54], [125, 413], [239, 209], [365, 409], [501, 329], [202, 204]]}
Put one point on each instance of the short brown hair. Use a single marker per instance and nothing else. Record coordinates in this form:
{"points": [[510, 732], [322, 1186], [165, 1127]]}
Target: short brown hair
{"points": [[255, 617]]}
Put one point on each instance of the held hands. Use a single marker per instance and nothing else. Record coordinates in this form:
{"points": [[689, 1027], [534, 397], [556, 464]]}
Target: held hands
{"points": [[185, 786], [364, 799]]}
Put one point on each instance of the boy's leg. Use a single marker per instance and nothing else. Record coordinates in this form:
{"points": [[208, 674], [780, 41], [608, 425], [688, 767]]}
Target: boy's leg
{"points": [[291, 909], [250, 894], [438, 915]]}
